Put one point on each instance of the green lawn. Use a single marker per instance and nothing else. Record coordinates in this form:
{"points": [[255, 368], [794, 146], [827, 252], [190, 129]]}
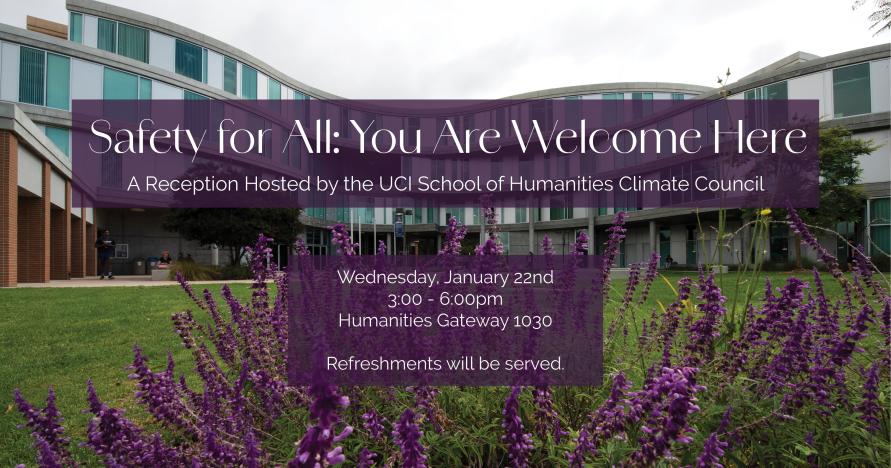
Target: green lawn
{"points": [[64, 336]]}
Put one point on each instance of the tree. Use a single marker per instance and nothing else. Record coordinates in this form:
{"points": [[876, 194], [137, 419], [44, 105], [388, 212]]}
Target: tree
{"points": [[881, 17], [233, 228], [841, 200]]}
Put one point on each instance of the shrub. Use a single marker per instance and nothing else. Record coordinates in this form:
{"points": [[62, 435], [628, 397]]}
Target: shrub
{"points": [[193, 271]]}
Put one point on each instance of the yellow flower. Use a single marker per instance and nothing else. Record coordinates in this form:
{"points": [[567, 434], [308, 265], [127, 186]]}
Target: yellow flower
{"points": [[765, 212]]}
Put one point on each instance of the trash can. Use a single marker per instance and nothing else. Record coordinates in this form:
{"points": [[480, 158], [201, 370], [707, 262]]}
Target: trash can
{"points": [[138, 266]]}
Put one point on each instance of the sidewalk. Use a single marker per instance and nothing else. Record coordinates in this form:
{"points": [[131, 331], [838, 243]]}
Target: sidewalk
{"points": [[118, 281]]}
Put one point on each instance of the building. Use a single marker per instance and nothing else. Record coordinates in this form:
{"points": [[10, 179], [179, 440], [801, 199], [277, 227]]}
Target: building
{"points": [[107, 52]]}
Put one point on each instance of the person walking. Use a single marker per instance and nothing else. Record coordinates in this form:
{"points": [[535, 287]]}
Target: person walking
{"points": [[105, 247]]}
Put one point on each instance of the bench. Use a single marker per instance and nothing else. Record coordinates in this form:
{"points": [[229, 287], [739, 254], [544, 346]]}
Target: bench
{"points": [[160, 275]]}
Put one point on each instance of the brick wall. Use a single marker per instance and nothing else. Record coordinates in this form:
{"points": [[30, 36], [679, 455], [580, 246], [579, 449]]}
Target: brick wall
{"points": [[8, 208], [34, 234]]}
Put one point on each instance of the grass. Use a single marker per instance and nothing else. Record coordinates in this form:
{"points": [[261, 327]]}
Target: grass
{"points": [[62, 337]]}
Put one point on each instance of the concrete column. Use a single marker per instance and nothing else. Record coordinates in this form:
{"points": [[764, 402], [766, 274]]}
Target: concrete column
{"points": [[533, 246], [34, 234], [9, 208], [214, 255], [390, 244], [592, 247]]}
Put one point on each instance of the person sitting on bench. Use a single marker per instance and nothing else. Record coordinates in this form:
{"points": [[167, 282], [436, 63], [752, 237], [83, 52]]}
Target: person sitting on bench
{"points": [[165, 260]]}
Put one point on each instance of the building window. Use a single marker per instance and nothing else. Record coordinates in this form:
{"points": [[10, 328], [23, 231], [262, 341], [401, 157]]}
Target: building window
{"points": [[691, 246], [58, 77], [32, 68], [456, 213], [850, 90], [776, 91], [230, 75], [520, 214], [880, 226], [119, 85], [612, 112], [76, 27], [133, 42], [60, 137], [432, 213], [107, 35], [558, 209], [274, 90], [145, 88], [677, 96], [641, 104], [190, 96], [191, 60], [664, 245], [779, 243], [248, 82], [772, 91], [122, 251]]}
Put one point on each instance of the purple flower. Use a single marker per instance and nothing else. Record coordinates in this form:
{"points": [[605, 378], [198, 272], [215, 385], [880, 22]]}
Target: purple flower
{"points": [[583, 447], [606, 422], [611, 251], [46, 455], [454, 234], [666, 403], [252, 452], [300, 247], [407, 436], [490, 247], [547, 247], [672, 319], [46, 428], [425, 401], [366, 458], [580, 247], [121, 443], [381, 248], [713, 449], [373, 424], [704, 331], [340, 237], [317, 447], [157, 391], [652, 271], [519, 443], [869, 408], [847, 345], [188, 289], [547, 421]]}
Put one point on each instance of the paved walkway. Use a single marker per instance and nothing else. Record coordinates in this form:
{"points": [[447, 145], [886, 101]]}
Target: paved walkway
{"points": [[118, 281]]}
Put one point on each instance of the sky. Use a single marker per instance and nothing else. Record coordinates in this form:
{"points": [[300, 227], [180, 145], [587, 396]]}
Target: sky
{"points": [[392, 49]]}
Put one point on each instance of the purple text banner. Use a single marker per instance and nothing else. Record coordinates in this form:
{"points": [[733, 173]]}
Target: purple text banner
{"points": [[445, 320], [569, 152]]}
